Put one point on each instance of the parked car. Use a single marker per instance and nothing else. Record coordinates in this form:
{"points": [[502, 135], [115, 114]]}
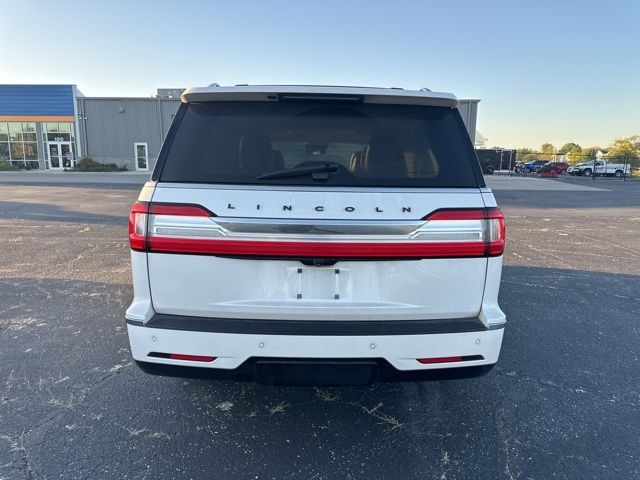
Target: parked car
{"points": [[574, 169], [316, 235], [530, 167], [558, 167], [599, 168]]}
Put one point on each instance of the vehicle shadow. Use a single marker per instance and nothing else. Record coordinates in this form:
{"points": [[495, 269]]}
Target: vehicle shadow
{"points": [[51, 212], [134, 185]]}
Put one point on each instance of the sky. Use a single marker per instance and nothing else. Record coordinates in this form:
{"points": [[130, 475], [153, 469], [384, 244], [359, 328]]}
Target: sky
{"points": [[545, 71]]}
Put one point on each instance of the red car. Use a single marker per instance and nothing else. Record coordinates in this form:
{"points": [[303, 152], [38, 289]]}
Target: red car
{"points": [[559, 167]]}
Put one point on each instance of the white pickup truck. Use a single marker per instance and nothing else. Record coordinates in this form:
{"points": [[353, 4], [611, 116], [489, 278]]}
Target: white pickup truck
{"points": [[601, 167]]}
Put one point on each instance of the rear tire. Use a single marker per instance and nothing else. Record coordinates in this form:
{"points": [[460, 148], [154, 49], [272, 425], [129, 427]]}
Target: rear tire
{"points": [[618, 173]]}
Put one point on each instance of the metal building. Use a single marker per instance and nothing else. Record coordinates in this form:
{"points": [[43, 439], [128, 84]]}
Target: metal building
{"points": [[125, 131], [52, 126], [469, 112]]}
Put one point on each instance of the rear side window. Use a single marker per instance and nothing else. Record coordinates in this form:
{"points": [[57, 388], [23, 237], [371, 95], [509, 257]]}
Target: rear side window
{"points": [[321, 144]]}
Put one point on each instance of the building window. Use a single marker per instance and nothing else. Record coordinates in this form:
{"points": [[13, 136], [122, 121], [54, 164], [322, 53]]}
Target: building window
{"points": [[16, 149], [18, 143], [141, 156], [4, 142], [58, 132]]}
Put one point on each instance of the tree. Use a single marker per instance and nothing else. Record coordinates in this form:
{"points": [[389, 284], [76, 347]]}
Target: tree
{"points": [[628, 148], [524, 155], [574, 155], [567, 147], [588, 153], [547, 151]]}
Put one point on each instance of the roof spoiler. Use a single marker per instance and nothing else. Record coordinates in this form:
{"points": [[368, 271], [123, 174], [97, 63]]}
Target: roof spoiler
{"points": [[348, 94]]}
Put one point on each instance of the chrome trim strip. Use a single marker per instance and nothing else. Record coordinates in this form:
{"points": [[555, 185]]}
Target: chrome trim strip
{"points": [[316, 230], [320, 226]]}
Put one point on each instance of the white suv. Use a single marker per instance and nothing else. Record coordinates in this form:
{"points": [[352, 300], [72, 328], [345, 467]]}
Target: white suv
{"points": [[316, 235]]}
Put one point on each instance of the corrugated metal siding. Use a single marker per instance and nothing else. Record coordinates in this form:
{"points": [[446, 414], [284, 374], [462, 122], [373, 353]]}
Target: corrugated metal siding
{"points": [[469, 113], [109, 127], [36, 100]]}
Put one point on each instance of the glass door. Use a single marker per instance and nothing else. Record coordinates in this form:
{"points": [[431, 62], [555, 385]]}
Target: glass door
{"points": [[55, 155], [141, 156], [60, 155], [66, 152]]}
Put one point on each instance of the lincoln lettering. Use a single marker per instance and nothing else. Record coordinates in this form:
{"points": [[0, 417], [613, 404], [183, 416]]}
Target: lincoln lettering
{"points": [[321, 208]]}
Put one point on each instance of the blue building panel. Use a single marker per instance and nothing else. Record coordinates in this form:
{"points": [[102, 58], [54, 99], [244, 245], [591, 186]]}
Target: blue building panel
{"points": [[36, 100]]}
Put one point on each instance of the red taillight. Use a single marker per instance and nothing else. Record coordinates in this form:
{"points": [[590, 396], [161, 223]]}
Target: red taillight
{"points": [[139, 217], [302, 249], [457, 214], [144, 235], [182, 356], [495, 232], [182, 210], [138, 226], [494, 226]]}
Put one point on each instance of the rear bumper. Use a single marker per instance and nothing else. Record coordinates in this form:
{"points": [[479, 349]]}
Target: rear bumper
{"points": [[361, 351], [314, 372]]}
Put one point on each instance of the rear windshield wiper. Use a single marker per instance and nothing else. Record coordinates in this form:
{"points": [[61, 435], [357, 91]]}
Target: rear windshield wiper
{"points": [[319, 172]]}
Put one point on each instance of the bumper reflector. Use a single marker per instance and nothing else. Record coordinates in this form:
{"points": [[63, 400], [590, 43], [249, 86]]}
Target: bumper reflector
{"points": [[181, 356], [466, 358]]}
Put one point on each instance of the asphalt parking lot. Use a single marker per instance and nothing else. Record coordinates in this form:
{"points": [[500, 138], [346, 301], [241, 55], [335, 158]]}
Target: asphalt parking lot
{"points": [[563, 402]]}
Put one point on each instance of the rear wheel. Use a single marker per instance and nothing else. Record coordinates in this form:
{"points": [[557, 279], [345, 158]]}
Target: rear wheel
{"points": [[618, 173], [489, 170]]}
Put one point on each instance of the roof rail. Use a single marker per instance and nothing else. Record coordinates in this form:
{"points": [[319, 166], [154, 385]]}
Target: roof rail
{"points": [[425, 89], [213, 85]]}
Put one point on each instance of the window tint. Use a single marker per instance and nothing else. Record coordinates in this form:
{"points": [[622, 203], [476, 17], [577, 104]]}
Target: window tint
{"points": [[363, 144]]}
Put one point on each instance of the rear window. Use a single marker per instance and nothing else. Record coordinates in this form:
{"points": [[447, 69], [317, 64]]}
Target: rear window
{"points": [[320, 144]]}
